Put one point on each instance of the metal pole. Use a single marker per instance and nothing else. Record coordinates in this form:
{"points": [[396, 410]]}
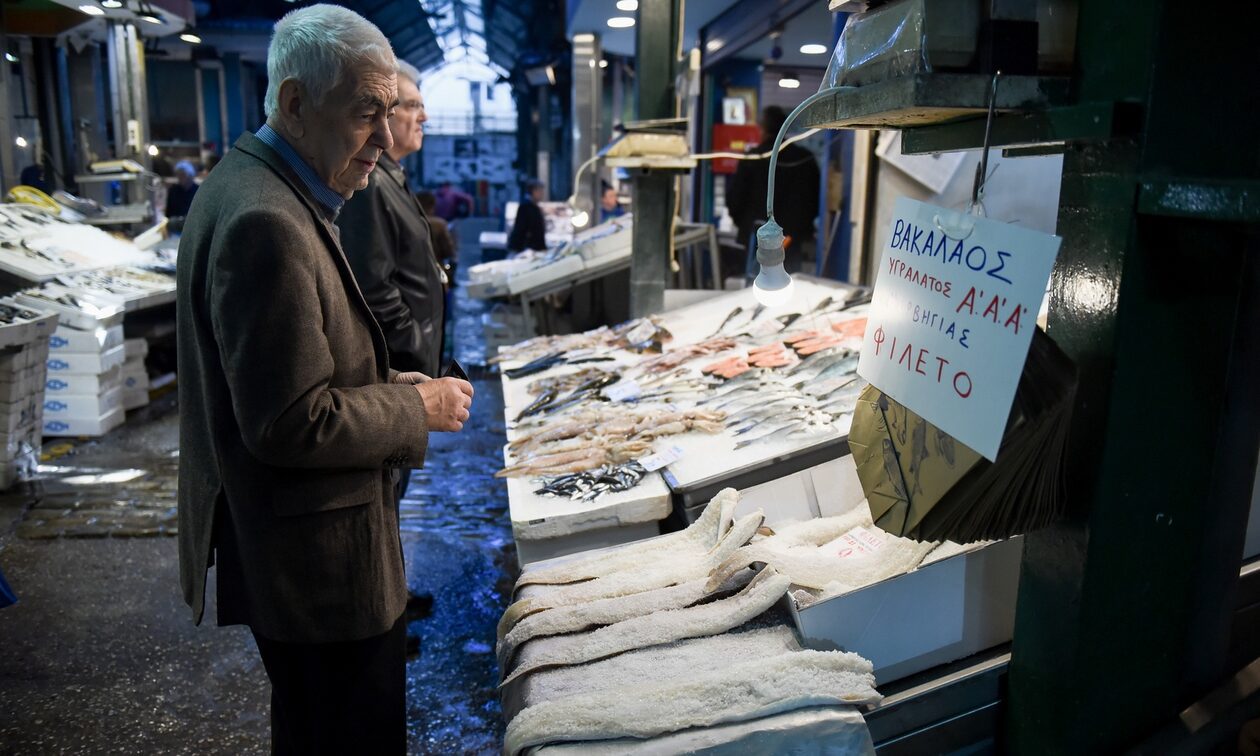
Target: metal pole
{"points": [[656, 48]]}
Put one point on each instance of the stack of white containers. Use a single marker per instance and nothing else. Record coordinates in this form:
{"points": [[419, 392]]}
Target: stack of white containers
{"points": [[135, 377], [23, 351], [84, 390]]}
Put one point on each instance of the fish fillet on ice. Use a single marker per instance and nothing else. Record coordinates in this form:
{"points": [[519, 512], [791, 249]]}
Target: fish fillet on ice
{"points": [[663, 627], [733, 692], [700, 536], [663, 570]]}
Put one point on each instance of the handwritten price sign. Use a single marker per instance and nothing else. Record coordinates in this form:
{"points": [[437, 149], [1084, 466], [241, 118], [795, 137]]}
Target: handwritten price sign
{"points": [[955, 305]]}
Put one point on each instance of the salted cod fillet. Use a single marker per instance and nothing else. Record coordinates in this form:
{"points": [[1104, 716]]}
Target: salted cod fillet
{"points": [[664, 627], [729, 693], [660, 665], [677, 568], [810, 567], [700, 536], [583, 616]]}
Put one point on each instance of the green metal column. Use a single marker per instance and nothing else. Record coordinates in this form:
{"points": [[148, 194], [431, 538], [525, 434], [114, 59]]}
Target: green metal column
{"points": [[1123, 609], [656, 47]]}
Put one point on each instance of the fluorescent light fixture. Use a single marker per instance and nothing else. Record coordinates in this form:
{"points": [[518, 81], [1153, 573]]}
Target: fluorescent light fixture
{"points": [[580, 219], [813, 49], [621, 22], [111, 4], [629, 6], [191, 39], [713, 44], [603, 63], [153, 150], [11, 57], [91, 10], [151, 18], [21, 142], [789, 81]]}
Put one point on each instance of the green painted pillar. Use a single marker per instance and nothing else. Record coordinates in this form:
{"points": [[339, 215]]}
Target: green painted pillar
{"points": [[1124, 608], [656, 48]]}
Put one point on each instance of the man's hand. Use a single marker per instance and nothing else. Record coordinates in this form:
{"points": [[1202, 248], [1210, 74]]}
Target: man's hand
{"points": [[411, 378], [447, 402]]}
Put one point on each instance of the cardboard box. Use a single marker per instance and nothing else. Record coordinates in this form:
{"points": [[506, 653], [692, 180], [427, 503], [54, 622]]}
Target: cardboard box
{"points": [[83, 384], [67, 339], [86, 363], [76, 406], [135, 379], [24, 383], [22, 413], [97, 426]]}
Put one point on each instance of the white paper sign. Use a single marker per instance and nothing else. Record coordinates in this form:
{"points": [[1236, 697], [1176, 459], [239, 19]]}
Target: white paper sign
{"points": [[623, 391], [955, 305], [654, 462], [856, 543]]}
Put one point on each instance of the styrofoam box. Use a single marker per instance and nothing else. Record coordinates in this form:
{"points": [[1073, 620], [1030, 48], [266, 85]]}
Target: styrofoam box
{"points": [[83, 384], [938, 613], [105, 316], [137, 349], [19, 442], [563, 268], [97, 426], [26, 331], [135, 376], [86, 363], [81, 406], [135, 399], [66, 339], [20, 357]]}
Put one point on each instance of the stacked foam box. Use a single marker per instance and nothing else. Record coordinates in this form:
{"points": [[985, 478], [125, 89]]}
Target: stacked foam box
{"points": [[135, 376], [23, 351], [84, 389]]}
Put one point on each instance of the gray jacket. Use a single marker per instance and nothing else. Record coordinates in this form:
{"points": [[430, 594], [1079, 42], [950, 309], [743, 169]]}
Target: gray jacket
{"points": [[289, 427]]}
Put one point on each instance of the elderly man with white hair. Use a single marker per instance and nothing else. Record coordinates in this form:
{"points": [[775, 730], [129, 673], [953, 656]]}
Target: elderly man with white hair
{"points": [[292, 425]]}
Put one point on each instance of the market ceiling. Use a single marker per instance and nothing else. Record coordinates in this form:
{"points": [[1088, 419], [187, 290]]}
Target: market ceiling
{"points": [[426, 33]]}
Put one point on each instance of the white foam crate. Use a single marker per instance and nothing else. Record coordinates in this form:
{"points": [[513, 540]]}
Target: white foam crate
{"points": [[97, 426], [66, 339], [86, 363]]}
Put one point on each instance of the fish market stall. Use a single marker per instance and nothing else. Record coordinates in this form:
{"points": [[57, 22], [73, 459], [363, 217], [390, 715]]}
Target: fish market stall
{"points": [[716, 392], [649, 641]]}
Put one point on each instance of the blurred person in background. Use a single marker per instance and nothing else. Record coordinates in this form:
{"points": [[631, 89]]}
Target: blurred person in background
{"points": [[179, 196], [444, 244], [530, 229]]}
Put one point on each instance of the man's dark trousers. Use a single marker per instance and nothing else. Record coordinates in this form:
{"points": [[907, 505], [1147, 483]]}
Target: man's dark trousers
{"points": [[338, 698]]}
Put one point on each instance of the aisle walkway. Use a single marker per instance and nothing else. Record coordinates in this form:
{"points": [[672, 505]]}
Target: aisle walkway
{"points": [[100, 654]]}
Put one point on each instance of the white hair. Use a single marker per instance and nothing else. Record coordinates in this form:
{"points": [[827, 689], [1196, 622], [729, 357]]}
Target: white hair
{"points": [[408, 72], [318, 45]]}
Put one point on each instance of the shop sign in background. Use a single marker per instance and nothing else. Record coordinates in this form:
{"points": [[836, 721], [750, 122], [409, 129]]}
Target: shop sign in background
{"points": [[952, 317]]}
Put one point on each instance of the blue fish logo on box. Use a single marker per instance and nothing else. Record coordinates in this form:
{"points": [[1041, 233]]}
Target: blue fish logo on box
{"points": [[55, 406], [57, 342], [57, 365], [56, 426], [56, 385]]}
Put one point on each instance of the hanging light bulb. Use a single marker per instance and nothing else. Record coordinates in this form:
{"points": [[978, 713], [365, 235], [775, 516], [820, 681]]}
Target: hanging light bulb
{"points": [[773, 286], [111, 4], [153, 150], [21, 142]]}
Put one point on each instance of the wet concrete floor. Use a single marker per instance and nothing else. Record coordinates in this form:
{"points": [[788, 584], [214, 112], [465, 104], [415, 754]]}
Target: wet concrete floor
{"points": [[100, 654]]}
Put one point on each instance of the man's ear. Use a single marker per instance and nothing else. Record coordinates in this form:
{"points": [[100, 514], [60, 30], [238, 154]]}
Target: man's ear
{"points": [[294, 107]]}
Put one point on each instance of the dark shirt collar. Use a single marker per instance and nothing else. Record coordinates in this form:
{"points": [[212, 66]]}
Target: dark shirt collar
{"points": [[328, 199]]}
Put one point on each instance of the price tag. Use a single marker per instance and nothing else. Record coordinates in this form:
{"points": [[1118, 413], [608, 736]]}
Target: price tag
{"points": [[625, 391], [654, 462], [858, 542], [640, 333]]}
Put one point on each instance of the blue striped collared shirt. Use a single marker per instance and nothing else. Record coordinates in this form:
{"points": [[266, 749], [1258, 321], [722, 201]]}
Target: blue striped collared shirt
{"points": [[322, 193]]}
